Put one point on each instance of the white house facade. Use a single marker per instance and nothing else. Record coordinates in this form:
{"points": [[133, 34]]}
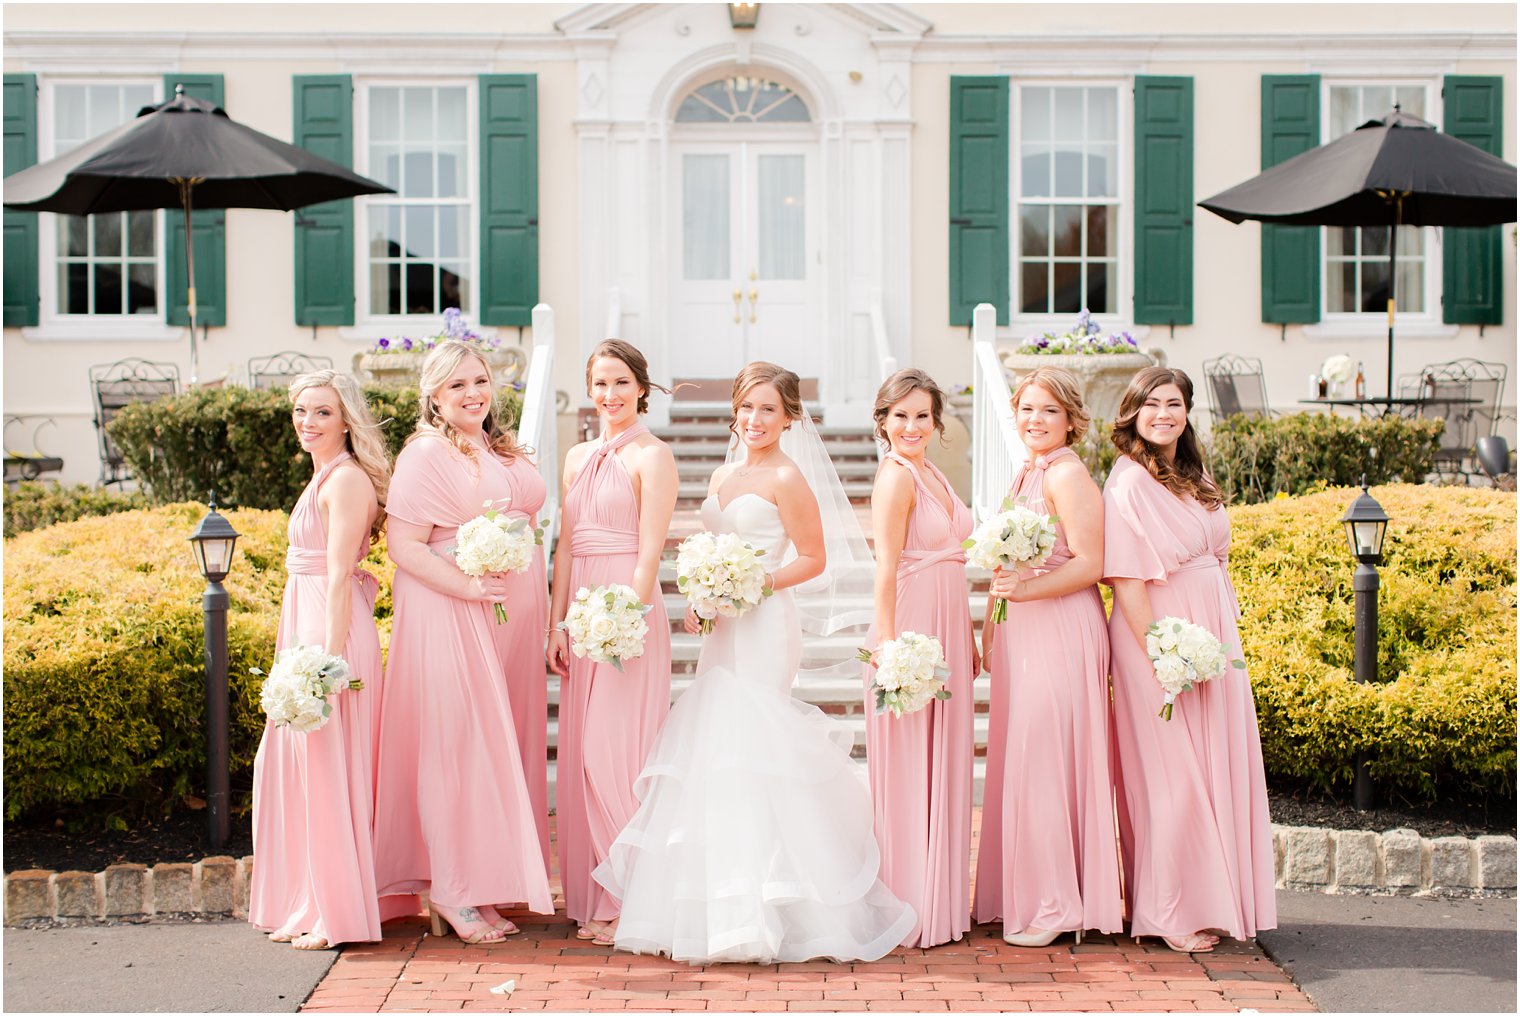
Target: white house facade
{"points": [[838, 184]]}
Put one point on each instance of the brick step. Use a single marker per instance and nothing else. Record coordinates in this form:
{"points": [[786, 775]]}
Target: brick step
{"points": [[715, 450], [688, 430], [849, 470]]}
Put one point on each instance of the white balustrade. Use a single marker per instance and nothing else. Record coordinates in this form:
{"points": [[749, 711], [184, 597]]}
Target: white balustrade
{"points": [[996, 451], [539, 426]]}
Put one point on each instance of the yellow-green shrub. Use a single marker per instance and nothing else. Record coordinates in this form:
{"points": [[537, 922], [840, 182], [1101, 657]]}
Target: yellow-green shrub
{"points": [[1440, 722], [104, 678]]}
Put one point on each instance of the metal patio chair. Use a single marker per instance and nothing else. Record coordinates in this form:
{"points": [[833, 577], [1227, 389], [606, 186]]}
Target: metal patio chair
{"points": [[1237, 385], [116, 386], [279, 369]]}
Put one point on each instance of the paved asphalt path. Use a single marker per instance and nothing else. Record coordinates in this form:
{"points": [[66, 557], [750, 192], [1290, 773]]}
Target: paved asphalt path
{"points": [[1397, 954], [223, 966]]}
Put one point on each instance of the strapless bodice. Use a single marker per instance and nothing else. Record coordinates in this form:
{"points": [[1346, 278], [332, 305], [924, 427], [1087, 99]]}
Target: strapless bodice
{"points": [[752, 518]]}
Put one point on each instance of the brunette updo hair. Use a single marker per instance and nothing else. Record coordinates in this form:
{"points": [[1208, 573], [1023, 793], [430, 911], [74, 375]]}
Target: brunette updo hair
{"points": [[1067, 389], [898, 387], [787, 384], [617, 349], [1186, 475]]}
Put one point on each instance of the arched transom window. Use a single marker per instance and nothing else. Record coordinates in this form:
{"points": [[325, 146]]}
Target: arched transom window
{"points": [[742, 100]]}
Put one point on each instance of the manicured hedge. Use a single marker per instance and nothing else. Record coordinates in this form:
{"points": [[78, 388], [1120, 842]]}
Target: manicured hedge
{"points": [[32, 505], [1441, 721], [239, 442]]}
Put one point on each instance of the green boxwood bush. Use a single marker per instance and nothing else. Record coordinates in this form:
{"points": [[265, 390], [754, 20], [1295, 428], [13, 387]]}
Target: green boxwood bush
{"points": [[239, 442], [1440, 722], [1254, 459], [32, 505]]}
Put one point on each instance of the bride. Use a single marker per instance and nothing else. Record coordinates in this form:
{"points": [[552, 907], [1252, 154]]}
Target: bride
{"points": [[753, 839]]}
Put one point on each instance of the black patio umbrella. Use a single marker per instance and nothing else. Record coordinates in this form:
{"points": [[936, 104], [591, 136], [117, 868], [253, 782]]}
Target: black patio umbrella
{"points": [[185, 153], [1395, 171]]}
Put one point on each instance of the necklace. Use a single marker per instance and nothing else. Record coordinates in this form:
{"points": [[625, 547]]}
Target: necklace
{"points": [[749, 467]]}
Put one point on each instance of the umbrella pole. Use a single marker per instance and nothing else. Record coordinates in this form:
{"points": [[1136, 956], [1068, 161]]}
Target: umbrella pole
{"points": [[1393, 280], [185, 202]]}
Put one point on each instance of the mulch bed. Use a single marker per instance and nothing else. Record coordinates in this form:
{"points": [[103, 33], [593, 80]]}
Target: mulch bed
{"points": [[183, 836]]}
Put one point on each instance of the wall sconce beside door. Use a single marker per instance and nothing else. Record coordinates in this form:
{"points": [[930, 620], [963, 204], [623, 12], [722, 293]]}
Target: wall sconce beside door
{"points": [[743, 15]]}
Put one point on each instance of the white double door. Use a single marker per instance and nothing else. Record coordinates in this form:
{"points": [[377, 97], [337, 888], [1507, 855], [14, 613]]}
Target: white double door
{"points": [[747, 258]]}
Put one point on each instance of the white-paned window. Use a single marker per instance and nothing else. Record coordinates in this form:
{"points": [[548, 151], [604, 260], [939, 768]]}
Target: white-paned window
{"points": [[1067, 179], [1356, 258], [105, 265], [418, 244]]}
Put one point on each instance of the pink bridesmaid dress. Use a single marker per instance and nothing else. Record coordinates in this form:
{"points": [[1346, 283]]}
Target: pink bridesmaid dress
{"points": [[607, 720], [920, 764], [1048, 856], [313, 793], [1196, 840], [454, 813]]}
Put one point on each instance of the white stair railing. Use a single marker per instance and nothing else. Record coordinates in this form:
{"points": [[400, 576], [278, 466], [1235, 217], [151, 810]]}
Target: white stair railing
{"points": [[539, 426], [886, 362], [996, 451], [613, 328]]}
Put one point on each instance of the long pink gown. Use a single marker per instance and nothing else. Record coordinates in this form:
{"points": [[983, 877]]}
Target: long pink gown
{"points": [[313, 793], [1048, 856], [920, 764], [454, 814], [608, 720], [1196, 839]]}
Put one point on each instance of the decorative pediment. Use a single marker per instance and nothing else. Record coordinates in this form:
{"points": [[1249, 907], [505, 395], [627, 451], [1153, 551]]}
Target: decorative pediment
{"points": [[613, 17]]}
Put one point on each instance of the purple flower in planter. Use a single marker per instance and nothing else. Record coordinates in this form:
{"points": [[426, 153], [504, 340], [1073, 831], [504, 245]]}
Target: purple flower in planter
{"points": [[382, 343], [406, 344]]}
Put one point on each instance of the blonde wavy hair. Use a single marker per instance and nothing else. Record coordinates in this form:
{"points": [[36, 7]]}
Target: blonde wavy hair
{"points": [[363, 440], [439, 366], [1067, 389]]}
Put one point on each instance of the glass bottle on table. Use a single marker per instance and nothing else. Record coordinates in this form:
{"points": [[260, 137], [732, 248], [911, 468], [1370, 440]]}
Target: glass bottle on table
{"points": [[1361, 382]]}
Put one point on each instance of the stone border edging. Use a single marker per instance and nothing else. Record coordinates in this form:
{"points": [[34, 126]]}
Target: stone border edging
{"points": [[1399, 860], [1306, 858]]}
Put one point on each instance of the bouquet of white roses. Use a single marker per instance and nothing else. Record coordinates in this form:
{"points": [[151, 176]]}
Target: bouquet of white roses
{"points": [[492, 542], [1016, 536], [1337, 369], [606, 624], [910, 673], [296, 689], [720, 574], [1184, 654]]}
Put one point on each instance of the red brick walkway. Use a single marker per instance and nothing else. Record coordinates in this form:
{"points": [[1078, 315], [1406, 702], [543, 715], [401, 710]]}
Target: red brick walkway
{"points": [[411, 971]]}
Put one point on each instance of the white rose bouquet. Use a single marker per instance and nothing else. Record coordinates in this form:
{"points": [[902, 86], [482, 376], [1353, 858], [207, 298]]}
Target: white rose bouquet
{"points": [[910, 673], [1017, 536], [1337, 369], [492, 542], [1184, 654], [297, 687], [720, 575], [607, 624]]}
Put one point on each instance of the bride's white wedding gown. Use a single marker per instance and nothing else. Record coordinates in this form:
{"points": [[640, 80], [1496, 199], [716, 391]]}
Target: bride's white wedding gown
{"points": [[753, 840]]}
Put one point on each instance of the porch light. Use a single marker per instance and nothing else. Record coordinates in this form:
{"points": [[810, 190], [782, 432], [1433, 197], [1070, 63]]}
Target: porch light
{"points": [[743, 15]]}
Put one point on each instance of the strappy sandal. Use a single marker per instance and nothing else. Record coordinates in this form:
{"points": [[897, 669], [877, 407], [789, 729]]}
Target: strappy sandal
{"points": [[1197, 942]]}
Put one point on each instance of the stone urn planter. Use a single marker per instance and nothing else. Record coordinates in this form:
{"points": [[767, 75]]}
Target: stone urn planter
{"points": [[1104, 376], [401, 369]]}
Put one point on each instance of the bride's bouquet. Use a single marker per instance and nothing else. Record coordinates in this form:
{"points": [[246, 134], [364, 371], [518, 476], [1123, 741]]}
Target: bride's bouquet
{"points": [[910, 673], [720, 575], [492, 542], [297, 687], [1184, 654], [1015, 537], [606, 624]]}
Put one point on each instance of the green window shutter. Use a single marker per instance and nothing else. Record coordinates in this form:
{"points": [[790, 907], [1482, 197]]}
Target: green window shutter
{"points": [[20, 227], [209, 226], [979, 241], [1473, 258], [508, 198], [324, 260], [1290, 262], [1163, 200]]}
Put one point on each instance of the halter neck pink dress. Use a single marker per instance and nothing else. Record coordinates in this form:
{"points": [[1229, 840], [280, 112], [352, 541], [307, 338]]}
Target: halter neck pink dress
{"points": [[313, 793], [454, 814], [608, 720], [1193, 824], [920, 764], [1048, 856]]}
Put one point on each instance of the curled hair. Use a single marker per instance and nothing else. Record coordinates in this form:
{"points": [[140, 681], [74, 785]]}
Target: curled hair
{"points": [[787, 384], [440, 365], [363, 440], [898, 387], [1186, 475], [628, 354], [1066, 388]]}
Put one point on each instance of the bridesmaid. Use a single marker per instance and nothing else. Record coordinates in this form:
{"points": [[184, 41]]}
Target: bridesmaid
{"points": [[1193, 821], [1048, 861], [620, 492], [313, 797], [920, 764], [455, 817]]}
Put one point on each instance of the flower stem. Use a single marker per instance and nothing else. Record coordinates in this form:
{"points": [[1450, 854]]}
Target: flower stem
{"points": [[501, 613]]}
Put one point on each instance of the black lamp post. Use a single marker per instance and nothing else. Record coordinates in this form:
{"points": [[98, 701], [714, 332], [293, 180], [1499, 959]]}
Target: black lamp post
{"points": [[212, 542], [1366, 524]]}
